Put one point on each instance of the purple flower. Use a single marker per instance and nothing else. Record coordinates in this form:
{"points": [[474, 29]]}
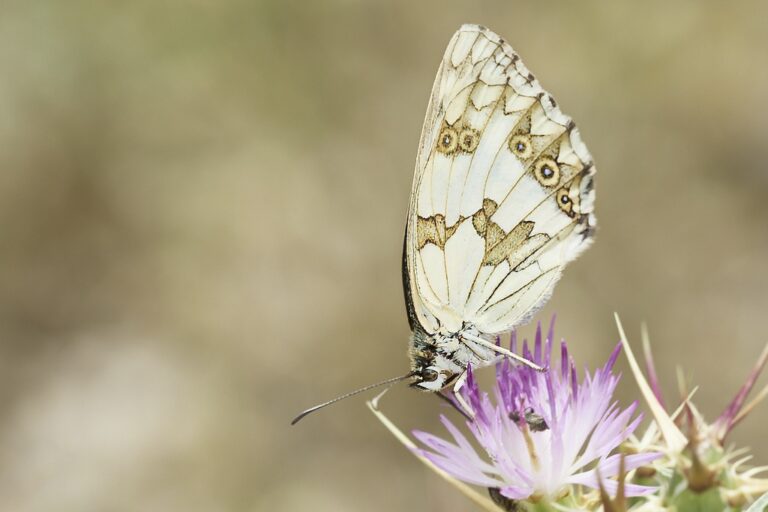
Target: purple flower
{"points": [[543, 433]]}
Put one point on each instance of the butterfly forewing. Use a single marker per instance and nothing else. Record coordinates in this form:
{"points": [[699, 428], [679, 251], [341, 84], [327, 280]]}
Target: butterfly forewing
{"points": [[502, 195], [502, 199]]}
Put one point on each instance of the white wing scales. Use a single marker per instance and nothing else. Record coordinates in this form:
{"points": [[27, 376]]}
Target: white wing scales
{"points": [[502, 196]]}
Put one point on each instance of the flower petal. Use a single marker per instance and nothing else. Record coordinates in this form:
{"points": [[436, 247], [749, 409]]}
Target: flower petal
{"points": [[515, 493]]}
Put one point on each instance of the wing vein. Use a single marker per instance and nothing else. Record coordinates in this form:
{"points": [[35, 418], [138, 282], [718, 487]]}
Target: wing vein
{"points": [[536, 278], [557, 237]]}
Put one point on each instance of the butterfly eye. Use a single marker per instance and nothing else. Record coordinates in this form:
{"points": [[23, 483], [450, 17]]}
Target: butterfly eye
{"points": [[429, 375], [469, 138], [547, 172], [447, 141], [520, 145]]}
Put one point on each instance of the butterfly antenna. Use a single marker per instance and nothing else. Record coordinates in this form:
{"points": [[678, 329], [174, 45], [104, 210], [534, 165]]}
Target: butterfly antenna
{"points": [[351, 393]]}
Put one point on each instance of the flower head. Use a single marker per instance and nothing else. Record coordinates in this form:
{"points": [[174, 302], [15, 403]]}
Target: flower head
{"points": [[543, 432], [699, 469]]}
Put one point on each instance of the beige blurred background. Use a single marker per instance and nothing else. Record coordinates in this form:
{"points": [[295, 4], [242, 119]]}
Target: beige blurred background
{"points": [[202, 208]]}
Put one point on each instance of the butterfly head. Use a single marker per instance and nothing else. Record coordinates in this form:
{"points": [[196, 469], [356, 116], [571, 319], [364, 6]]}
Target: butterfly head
{"points": [[431, 364], [423, 352], [432, 378]]}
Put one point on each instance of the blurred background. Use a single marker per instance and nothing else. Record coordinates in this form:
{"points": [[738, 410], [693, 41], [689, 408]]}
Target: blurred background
{"points": [[202, 208]]}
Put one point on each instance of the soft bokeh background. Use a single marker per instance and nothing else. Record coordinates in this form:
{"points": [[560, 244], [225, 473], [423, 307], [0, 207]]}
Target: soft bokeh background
{"points": [[202, 207]]}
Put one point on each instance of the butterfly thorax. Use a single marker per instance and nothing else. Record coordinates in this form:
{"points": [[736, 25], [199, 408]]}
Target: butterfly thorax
{"points": [[438, 359]]}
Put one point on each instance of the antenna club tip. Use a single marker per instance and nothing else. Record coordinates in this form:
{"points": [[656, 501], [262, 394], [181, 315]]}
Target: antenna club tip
{"points": [[301, 416]]}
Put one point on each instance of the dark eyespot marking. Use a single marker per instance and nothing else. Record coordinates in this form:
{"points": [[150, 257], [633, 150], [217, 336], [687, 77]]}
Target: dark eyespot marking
{"points": [[565, 202], [547, 172], [469, 138], [447, 141], [520, 145]]}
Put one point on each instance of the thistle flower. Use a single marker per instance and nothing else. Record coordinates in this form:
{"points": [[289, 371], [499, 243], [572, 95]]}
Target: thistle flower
{"points": [[545, 437], [698, 472]]}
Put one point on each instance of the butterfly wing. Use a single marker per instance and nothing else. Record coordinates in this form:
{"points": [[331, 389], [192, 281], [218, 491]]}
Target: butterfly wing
{"points": [[502, 195]]}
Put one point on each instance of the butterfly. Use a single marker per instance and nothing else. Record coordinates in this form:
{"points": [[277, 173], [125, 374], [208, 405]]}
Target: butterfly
{"points": [[502, 199]]}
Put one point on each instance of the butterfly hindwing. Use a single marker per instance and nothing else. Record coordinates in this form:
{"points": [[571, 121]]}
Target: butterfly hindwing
{"points": [[502, 196]]}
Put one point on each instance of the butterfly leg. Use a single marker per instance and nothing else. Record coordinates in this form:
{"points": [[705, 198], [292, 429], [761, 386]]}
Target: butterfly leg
{"points": [[447, 399], [502, 351], [467, 410]]}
